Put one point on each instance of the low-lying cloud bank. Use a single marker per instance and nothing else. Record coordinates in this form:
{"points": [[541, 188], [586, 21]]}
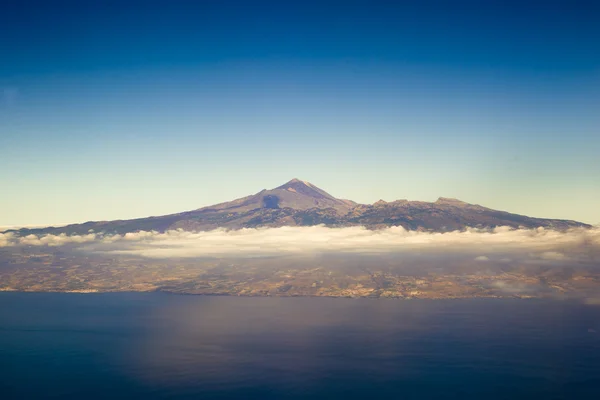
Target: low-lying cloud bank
{"points": [[539, 243]]}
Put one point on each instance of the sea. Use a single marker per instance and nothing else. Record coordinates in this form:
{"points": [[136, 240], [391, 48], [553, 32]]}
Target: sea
{"points": [[159, 345]]}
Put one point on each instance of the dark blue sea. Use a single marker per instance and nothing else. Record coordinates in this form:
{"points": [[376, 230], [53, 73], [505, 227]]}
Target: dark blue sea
{"points": [[176, 346]]}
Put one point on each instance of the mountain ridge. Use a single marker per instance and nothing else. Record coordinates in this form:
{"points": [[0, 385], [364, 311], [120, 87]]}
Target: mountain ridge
{"points": [[300, 203]]}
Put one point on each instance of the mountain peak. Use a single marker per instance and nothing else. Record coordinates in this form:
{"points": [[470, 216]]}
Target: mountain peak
{"points": [[295, 183], [300, 187], [449, 200], [299, 181]]}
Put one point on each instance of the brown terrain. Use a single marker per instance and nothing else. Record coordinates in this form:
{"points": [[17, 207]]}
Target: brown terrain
{"points": [[335, 275]]}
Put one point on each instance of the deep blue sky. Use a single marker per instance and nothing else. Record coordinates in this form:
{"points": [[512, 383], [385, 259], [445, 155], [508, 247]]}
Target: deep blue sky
{"points": [[112, 110]]}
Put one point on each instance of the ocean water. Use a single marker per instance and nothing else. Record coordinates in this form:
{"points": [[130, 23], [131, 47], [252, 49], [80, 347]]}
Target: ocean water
{"points": [[173, 346]]}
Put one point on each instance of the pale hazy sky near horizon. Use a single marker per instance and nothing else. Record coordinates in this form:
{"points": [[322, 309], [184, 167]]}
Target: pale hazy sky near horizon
{"points": [[114, 110]]}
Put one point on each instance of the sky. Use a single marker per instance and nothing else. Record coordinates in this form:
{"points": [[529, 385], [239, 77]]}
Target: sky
{"points": [[115, 110]]}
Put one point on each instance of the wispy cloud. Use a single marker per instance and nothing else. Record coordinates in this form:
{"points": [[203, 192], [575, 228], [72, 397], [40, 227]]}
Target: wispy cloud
{"points": [[516, 287]]}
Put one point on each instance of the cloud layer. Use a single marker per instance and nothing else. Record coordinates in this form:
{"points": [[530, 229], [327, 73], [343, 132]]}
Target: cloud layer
{"points": [[539, 243]]}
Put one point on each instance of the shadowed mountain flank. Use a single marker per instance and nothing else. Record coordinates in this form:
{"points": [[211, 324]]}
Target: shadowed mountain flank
{"points": [[300, 203]]}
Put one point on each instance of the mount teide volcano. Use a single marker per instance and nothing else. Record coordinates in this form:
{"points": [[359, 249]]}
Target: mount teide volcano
{"points": [[300, 203]]}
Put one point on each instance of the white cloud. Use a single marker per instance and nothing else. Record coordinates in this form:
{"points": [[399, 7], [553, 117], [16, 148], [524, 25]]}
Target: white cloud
{"points": [[514, 287], [6, 239], [50, 240], [543, 244]]}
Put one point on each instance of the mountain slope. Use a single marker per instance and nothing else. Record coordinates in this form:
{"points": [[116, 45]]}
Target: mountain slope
{"points": [[296, 194], [300, 203]]}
